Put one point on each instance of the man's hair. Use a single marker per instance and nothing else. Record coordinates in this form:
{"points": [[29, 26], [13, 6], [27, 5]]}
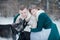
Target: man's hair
{"points": [[22, 6]]}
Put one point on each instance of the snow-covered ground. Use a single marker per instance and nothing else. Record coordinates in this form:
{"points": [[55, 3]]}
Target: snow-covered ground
{"points": [[9, 20], [5, 38], [4, 20]]}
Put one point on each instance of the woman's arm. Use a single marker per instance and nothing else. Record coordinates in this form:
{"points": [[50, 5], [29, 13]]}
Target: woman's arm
{"points": [[43, 22]]}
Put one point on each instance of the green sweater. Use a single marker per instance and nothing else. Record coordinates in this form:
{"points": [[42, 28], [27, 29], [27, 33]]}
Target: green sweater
{"points": [[15, 18], [45, 22]]}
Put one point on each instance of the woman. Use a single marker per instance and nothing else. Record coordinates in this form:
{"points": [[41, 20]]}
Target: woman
{"points": [[43, 22]]}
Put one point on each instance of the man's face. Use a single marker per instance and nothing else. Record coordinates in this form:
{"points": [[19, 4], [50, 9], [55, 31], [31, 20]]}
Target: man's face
{"points": [[24, 13]]}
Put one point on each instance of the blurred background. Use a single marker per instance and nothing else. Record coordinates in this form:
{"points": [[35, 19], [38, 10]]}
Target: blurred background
{"points": [[9, 8]]}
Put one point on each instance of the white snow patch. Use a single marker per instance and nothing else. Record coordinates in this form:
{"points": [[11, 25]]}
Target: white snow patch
{"points": [[8, 20]]}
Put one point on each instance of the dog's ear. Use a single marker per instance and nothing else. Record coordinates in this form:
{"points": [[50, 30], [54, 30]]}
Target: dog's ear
{"points": [[19, 28], [20, 21]]}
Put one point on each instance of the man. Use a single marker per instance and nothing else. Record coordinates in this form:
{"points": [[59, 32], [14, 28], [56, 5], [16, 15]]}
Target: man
{"points": [[43, 21], [16, 20], [31, 23], [14, 32], [24, 15]]}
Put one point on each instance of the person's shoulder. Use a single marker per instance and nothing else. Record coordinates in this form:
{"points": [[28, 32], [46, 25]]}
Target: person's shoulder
{"points": [[41, 12], [43, 15], [15, 17], [17, 14]]}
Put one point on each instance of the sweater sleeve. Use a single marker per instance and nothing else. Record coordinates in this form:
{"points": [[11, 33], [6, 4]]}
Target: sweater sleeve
{"points": [[14, 20], [47, 21], [39, 24], [43, 22]]}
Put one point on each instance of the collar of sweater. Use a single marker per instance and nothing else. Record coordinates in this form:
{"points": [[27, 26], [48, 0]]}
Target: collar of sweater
{"points": [[39, 12], [28, 17]]}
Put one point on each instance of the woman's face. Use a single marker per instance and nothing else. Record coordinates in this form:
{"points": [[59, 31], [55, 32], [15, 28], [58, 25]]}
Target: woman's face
{"points": [[33, 11]]}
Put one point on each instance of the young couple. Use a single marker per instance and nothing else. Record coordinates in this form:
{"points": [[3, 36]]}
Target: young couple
{"points": [[36, 19]]}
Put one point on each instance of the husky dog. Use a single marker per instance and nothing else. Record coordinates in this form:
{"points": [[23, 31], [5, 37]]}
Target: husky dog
{"points": [[19, 26]]}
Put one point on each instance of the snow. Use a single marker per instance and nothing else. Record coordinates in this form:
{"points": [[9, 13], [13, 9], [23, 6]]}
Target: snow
{"points": [[4, 21], [5, 38], [42, 35], [9, 20]]}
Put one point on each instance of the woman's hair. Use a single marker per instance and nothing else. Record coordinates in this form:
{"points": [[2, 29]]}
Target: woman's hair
{"points": [[33, 6]]}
